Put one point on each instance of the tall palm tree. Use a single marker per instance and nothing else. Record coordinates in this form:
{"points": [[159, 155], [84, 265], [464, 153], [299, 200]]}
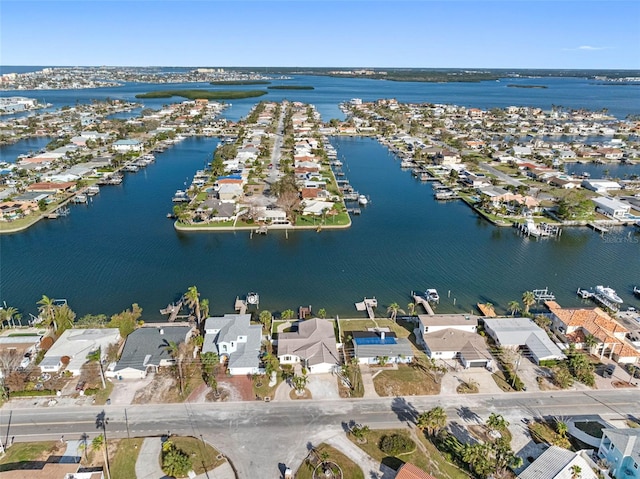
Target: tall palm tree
{"points": [[204, 307], [8, 314], [528, 300], [411, 309], [497, 422], [98, 444], [288, 314], [192, 298], [177, 352], [433, 420], [265, 319], [514, 307], [47, 311], [393, 310]]}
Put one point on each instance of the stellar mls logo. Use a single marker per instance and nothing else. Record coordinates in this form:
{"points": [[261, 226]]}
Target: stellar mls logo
{"points": [[620, 238]]}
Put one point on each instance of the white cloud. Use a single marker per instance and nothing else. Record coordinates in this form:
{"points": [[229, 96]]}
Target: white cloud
{"points": [[585, 48]]}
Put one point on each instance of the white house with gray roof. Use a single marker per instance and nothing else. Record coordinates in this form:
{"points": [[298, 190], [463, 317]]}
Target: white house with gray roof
{"points": [[559, 463], [515, 333], [236, 341], [146, 350]]}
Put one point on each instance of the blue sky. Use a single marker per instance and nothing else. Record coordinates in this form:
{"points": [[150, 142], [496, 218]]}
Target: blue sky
{"points": [[418, 33]]}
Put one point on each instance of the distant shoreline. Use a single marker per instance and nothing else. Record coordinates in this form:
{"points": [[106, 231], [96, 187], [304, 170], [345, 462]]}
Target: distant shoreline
{"points": [[526, 86]]}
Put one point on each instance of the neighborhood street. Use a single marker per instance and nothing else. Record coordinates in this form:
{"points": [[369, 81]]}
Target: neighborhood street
{"points": [[259, 437]]}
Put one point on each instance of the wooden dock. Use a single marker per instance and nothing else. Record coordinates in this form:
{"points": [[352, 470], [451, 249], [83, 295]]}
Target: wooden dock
{"points": [[486, 310], [172, 310], [422, 301], [367, 305], [240, 305]]}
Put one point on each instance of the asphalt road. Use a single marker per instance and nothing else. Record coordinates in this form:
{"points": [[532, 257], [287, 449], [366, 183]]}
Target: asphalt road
{"points": [[259, 437]]}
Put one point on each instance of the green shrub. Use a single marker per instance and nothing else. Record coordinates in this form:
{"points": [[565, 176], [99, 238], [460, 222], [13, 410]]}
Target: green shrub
{"points": [[42, 392], [396, 444]]}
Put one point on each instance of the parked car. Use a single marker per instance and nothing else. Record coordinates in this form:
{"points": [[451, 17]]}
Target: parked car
{"points": [[608, 370], [80, 386]]}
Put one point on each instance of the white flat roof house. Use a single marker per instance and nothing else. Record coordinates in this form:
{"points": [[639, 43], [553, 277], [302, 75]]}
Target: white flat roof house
{"points": [[76, 345], [612, 207]]}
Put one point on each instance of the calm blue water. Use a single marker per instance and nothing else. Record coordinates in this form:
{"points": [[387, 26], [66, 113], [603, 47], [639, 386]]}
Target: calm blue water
{"points": [[621, 172], [122, 249], [619, 100], [9, 153]]}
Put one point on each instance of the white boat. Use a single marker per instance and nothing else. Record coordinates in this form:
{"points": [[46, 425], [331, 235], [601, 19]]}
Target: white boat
{"points": [[253, 298], [80, 198], [93, 190], [432, 295], [636, 291], [363, 200], [608, 294], [180, 197]]}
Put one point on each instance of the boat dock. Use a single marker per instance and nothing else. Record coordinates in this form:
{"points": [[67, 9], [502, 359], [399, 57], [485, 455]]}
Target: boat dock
{"points": [[367, 305], [422, 301], [543, 295], [172, 310], [487, 310], [598, 227], [598, 298], [240, 305]]}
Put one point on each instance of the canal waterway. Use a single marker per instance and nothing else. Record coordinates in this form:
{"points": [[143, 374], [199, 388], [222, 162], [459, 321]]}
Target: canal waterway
{"points": [[121, 248]]}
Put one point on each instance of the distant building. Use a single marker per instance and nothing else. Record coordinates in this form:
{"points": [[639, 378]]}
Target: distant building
{"points": [[611, 207], [125, 146]]}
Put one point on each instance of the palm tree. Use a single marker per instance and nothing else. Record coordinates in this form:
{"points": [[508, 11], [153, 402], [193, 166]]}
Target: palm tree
{"points": [[97, 444], [496, 422], [590, 341], [288, 314], [204, 307], [528, 299], [322, 313], [64, 318], [576, 472], [433, 420], [411, 309], [177, 352], [562, 429], [393, 310], [192, 298], [514, 307], [47, 311], [265, 319], [8, 314]]}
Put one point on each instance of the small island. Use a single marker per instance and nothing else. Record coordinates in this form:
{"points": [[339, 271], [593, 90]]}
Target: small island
{"points": [[241, 82], [526, 86], [291, 87], [203, 94]]}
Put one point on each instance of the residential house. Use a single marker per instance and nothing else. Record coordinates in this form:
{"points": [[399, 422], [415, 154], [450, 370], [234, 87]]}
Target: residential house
{"points": [[612, 208], [236, 341], [621, 449], [409, 471], [576, 324], [313, 345], [147, 349], [451, 343], [559, 463], [73, 347], [54, 470], [515, 333], [600, 186], [125, 146], [438, 322], [374, 346]]}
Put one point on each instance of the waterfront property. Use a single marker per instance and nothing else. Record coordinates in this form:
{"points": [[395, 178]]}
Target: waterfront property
{"points": [[575, 325], [380, 347], [313, 346], [451, 343], [147, 349], [559, 463], [516, 333], [74, 345], [236, 341]]}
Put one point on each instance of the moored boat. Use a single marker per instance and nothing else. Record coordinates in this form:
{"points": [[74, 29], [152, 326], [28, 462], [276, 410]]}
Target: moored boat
{"points": [[363, 200], [608, 293], [432, 295]]}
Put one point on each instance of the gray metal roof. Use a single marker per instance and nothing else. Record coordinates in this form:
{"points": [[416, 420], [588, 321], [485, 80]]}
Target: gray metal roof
{"points": [[147, 346], [556, 463]]}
